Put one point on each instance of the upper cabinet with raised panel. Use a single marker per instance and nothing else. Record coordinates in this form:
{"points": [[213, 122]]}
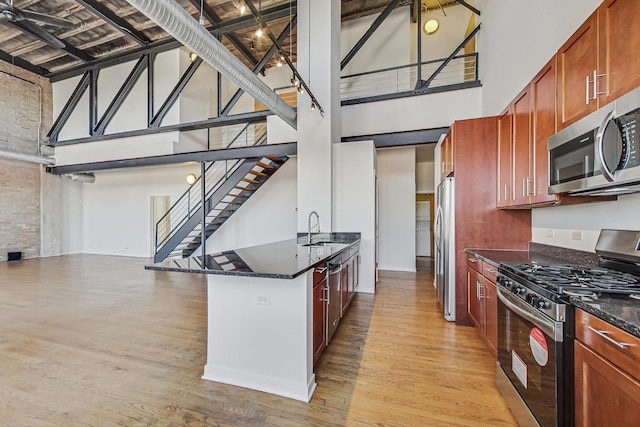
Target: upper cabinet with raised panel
{"points": [[600, 62], [446, 156], [577, 65]]}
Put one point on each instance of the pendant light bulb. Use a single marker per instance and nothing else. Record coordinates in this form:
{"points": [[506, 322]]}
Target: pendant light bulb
{"points": [[313, 106], [259, 32], [278, 62], [242, 7]]}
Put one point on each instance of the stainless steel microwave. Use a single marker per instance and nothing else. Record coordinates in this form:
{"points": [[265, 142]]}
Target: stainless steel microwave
{"points": [[598, 155]]}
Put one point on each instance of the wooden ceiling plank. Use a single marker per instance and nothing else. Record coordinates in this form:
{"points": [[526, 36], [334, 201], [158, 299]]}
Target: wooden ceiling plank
{"points": [[114, 20]]}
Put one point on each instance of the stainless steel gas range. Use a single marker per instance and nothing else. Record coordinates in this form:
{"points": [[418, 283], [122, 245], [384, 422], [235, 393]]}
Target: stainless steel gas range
{"points": [[536, 324]]}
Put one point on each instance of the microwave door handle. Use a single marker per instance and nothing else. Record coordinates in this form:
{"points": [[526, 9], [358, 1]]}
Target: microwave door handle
{"points": [[547, 326], [608, 174]]}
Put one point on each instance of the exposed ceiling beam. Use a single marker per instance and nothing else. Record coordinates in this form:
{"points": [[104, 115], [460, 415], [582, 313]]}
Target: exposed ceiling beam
{"points": [[71, 50], [114, 20], [267, 150], [247, 21], [372, 29], [25, 65], [210, 15], [396, 139], [468, 6]]}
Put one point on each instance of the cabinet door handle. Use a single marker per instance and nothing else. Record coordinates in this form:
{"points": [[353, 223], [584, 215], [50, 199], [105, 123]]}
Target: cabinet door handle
{"points": [[604, 334], [505, 192], [473, 260], [479, 286], [524, 187], [321, 270], [586, 91], [490, 270]]}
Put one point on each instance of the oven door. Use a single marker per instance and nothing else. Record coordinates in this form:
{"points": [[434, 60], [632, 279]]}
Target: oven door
{"points": [[529, 352]]}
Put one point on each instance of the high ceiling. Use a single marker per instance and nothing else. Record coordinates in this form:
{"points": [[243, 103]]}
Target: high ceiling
{"points": [[100, 29]]}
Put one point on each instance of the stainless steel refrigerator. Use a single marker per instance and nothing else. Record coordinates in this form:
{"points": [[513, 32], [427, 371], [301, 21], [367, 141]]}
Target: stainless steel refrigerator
{"points": [[445, 248]]}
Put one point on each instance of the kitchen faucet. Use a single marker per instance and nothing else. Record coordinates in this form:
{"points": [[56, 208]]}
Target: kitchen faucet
{"points": [[309, 225]]}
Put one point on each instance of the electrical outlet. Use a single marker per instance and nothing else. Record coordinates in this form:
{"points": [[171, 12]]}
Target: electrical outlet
{"points": [[263, 300], [576, 235], [549, 233]]}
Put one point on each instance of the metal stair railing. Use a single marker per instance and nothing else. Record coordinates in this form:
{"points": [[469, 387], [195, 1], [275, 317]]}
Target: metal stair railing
{"points": [[216, 173]]}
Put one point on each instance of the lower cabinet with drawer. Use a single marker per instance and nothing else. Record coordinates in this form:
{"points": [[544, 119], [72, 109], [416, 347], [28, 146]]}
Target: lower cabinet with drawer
{"points": [[482, 300], [607, 374]]}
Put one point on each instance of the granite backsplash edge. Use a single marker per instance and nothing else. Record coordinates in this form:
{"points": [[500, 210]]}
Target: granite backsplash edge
{"points": [[571, 256]]}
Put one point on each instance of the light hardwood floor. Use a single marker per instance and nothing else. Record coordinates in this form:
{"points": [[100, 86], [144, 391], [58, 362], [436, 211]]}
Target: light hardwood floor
{"points": [[94, 341]]}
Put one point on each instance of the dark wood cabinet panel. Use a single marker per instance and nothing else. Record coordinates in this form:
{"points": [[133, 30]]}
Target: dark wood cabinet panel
{"points": [[477, 221], [605, 395], [521, 148], [504, 190], [474, 297], [543, 90], [319, 319], [446, 156], [491, 315], [619, 54], [577, 61]]}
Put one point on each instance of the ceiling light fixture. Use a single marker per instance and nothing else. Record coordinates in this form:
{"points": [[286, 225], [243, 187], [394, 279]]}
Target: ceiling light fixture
{"points": [[313, 106], [242, 7], [300, 89], [431, 26], [259, 32], [295, 81], [191, 179], [193, 56]]}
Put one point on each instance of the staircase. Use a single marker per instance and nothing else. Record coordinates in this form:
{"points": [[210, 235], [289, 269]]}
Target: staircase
{"points": [[228, 184]]}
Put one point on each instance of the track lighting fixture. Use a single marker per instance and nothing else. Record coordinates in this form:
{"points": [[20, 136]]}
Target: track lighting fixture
{"points": [[294, 81], [193, 56], [300, 89], [313, 106]]}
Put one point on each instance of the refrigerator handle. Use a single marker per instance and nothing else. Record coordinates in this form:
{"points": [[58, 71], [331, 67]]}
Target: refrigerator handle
{"points": [[438, 227]]}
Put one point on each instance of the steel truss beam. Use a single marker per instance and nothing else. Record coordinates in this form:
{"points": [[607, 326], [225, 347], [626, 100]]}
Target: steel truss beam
{"points": [[210, 15], [260, 65], [374, 26], [268, 150], [468, 6], [123, 92], [165, 45], [426, 83], [235, 119], [68, 108], [397, 139], [114, 20], [175, 93]]}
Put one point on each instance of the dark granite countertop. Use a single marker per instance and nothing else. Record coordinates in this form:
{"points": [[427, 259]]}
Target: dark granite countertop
{"points": [[619, 310], [286, 259]]}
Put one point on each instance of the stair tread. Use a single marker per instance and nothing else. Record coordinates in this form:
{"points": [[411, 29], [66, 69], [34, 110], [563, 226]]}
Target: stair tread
{"points": [[265, 166], [252, 181]]}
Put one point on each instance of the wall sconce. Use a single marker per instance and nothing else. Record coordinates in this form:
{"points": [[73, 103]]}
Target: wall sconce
{"points": [[191, 179], [431, 26]]}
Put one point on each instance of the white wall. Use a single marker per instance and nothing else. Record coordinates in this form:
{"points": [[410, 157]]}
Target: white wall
{"points": [[354, 198], [510, 28], [397, 209], [424, 177], [416, 112]]}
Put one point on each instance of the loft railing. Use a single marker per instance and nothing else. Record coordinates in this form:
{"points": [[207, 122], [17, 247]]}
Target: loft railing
{"points": [[215, 175], [404, 78]]}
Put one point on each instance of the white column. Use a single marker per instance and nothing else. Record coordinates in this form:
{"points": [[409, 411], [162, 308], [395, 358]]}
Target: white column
{"points": [[319, 65]]}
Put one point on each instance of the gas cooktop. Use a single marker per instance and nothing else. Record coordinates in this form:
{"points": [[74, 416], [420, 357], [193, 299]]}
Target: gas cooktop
{"points": [[576, 280]]}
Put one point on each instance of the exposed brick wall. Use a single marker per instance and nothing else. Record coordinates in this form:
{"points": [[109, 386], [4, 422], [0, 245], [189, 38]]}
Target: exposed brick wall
{"points": [[20, 188]]}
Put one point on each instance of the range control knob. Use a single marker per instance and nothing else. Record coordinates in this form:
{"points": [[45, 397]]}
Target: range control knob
{"points": [[541, 303], [519, 290]]}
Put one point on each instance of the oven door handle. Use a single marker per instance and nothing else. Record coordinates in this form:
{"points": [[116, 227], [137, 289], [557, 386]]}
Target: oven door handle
{"points": [[547, 326]]}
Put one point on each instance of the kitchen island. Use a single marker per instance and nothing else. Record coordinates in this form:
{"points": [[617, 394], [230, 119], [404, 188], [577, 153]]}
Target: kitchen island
{"points": [[260, 311]]}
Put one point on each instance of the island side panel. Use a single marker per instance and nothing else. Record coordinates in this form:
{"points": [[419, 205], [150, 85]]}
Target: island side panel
{"points": [[260, 334]]}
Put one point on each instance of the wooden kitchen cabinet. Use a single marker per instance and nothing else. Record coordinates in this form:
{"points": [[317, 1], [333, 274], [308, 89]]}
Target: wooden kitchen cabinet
{"points": [[607, 375], [504, 158], [521, 148], [447, 156], [600, 62], [619, 48], [319, 311], [577, 62], [482, 300]]}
